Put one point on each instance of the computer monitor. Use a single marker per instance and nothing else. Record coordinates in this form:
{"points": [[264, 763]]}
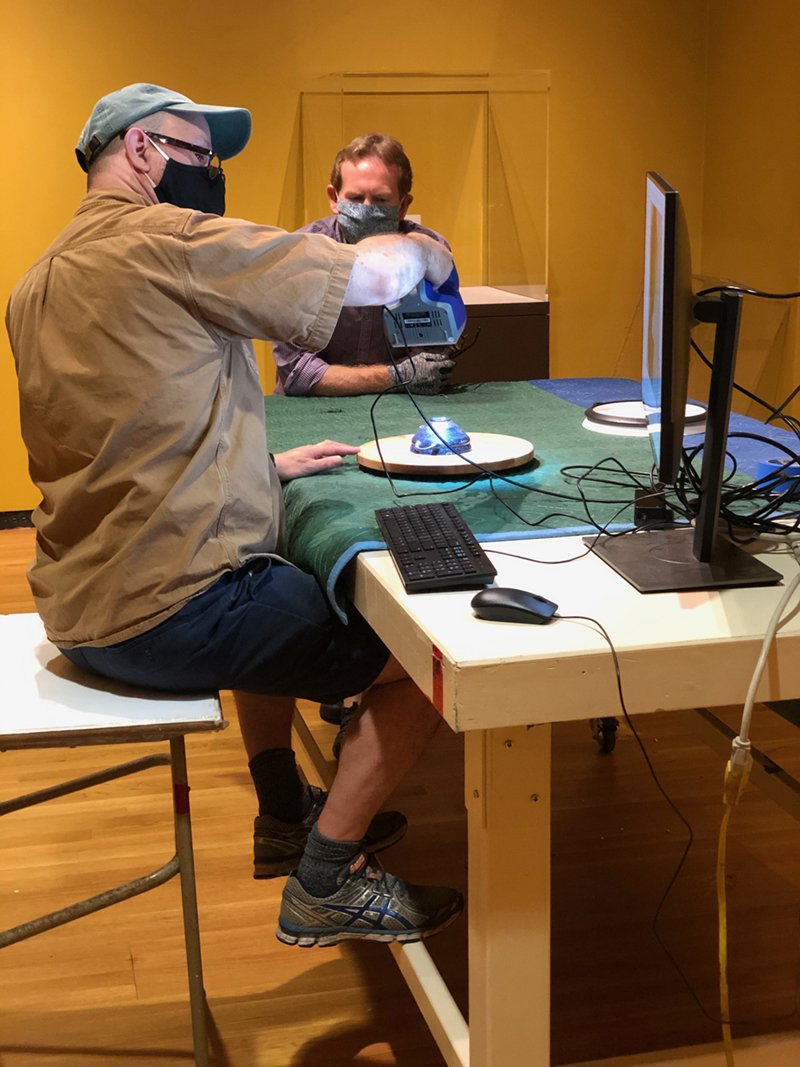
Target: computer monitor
{"points": [[666, 341], [683, 558]]}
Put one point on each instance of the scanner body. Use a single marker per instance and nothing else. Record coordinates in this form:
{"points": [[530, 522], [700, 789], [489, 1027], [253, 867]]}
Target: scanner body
{"points": [[427, 317]]}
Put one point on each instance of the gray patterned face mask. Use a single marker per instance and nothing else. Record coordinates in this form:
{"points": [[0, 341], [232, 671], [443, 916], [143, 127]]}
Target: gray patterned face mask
{"points": [[367, 220]]}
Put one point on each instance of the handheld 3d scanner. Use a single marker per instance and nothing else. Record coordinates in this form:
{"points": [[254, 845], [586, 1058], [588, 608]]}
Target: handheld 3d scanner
{"points": [[427, 316]]}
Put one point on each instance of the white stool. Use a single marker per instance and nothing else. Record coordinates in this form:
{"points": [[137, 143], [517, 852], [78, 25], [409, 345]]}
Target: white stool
{"points": [[49, 703]]}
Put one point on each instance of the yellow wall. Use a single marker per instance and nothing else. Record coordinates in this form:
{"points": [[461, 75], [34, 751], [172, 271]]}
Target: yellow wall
{"points": [[751, 213], [628, 94]]}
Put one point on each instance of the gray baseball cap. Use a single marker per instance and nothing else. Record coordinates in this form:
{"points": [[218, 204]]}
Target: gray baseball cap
{"points": [[230, 126]]}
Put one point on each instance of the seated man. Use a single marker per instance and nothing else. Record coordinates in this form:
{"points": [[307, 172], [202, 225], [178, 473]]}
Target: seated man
{"points": [[370, 193], [159, 536]]}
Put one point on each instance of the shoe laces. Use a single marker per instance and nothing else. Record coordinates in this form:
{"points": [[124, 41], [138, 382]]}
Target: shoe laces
{"points": [[378, 879]]}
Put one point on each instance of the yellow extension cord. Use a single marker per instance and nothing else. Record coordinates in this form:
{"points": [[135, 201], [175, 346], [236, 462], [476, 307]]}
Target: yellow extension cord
{"points": [[723, 940], [735, 782]]}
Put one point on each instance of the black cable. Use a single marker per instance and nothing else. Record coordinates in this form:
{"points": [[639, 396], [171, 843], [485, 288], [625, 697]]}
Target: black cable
{"points": [[655, 525], [485, 472], [683, 819], [678, 497], [683, 498], [788, 400], [513, 555], [460, 349], [684, 507], [747, 291], [790, 420]]}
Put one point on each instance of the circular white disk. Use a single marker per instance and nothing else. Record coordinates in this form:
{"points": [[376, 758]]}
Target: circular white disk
{"points": [[495, 451]]}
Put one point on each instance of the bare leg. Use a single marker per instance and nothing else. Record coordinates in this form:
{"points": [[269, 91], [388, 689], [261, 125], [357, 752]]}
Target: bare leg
{"points": [[383, 742], [266, 722]]}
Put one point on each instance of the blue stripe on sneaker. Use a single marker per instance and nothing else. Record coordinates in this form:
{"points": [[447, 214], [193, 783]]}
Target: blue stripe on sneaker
{"points": [[357, 913]]}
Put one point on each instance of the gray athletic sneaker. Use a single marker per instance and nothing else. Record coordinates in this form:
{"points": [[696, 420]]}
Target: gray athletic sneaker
{"points": [[369, 904], [278, 846]]}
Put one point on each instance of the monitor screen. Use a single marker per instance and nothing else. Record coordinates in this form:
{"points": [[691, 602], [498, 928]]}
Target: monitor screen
{"points": [[659, 274]]}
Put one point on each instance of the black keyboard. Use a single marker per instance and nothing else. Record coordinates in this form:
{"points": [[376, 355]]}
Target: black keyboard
{"points": [[433, 548]]}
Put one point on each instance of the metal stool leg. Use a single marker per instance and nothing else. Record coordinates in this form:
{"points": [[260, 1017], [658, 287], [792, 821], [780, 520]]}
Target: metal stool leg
{"points": [[183, 846]]}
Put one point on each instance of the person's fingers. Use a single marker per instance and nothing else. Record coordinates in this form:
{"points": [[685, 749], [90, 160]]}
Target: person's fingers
{"points": [[327, 462], [333, 448], [440, 264], [436, 357]]}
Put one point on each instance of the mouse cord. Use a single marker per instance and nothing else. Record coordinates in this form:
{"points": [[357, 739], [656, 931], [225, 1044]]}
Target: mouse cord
{"points": [[683, 819], [628, 720], [603, 531], [724, 1016]]}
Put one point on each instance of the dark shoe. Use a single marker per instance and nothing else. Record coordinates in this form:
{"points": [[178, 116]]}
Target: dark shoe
{"points": [[332, 713], [278, 846], [348, 711], [370, 905]]}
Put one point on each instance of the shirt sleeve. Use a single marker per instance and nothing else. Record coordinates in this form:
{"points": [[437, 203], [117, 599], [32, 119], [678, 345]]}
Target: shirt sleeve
{"points": [[298, 370], [259, 281]]}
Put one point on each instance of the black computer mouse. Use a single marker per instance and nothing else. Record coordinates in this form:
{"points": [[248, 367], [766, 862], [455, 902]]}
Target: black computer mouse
{"points": [[512, 605]]}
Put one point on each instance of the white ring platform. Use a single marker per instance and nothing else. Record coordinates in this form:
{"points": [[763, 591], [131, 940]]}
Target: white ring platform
{"points": [[495, 451]]}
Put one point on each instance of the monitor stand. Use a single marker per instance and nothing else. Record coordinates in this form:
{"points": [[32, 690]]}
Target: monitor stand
{"points": [[663, 561]]}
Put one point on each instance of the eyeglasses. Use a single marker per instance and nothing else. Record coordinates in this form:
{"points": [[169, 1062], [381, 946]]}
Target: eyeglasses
{"points": [[206, 157]]}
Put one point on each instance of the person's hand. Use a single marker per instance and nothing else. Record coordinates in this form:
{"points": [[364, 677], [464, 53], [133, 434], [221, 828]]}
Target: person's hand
{"points": [[438, 259], [388, 266], [311, 459], [424, 372]]}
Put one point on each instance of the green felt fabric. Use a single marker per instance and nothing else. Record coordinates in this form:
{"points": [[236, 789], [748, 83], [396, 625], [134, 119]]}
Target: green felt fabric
{"points": [[331, 515]]}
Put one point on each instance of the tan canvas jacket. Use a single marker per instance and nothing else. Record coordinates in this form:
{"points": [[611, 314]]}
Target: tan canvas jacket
{"points": [[141, 404]]}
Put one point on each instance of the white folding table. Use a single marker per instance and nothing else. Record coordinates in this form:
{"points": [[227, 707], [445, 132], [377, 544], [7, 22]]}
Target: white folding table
{"points": [[503, 685]]}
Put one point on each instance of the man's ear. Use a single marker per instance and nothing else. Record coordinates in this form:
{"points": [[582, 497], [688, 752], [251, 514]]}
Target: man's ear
{"points": [[333, 196], [405, 204], [135, 146]]}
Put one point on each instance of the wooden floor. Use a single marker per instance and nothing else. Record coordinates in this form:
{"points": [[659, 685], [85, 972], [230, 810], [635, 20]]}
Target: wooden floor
{"points": [[111, 989]]}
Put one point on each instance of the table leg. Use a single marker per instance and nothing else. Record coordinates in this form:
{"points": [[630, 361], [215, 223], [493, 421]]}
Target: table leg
{"points": [[507, 785], [191, 927]]}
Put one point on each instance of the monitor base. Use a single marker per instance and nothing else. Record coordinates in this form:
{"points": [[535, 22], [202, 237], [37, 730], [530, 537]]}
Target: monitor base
{"points": [[662, 561]]}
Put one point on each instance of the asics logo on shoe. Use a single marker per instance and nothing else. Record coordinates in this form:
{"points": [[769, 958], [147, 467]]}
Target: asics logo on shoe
{"points": [[359, 863], [375, 912]]}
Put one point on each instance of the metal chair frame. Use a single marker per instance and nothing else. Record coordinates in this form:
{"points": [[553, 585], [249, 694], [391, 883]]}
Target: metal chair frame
{"points": [[181, 863]]}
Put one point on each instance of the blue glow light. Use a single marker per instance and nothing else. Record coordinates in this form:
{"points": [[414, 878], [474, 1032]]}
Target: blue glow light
{"points": [[427, 443]]}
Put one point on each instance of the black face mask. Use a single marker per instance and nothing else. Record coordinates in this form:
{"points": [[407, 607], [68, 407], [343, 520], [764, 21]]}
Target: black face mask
{"points": [[185, 186]]}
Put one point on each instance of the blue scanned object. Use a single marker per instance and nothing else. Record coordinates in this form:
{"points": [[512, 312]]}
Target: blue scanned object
{"points": [[443, 436]]}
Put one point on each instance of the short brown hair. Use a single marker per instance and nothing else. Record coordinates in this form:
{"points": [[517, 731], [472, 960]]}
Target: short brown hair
{"points": [[374, 144]]}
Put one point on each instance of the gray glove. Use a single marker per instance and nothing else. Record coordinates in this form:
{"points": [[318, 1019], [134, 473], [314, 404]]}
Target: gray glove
{"points": [[424, 372]]}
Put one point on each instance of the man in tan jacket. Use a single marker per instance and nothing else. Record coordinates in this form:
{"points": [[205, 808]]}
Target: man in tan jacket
{"points": [[159, 535]]}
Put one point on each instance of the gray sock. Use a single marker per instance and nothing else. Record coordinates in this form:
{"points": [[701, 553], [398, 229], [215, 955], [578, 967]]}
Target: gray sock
{"points": [[323, 862]]}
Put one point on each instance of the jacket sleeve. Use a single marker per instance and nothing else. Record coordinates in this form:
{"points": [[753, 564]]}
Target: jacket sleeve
{"points": [[257, 281]]}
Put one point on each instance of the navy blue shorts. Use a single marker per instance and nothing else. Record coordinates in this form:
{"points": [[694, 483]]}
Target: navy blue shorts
{"points": [[264, 628]]}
